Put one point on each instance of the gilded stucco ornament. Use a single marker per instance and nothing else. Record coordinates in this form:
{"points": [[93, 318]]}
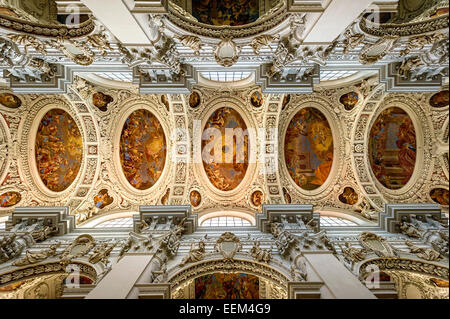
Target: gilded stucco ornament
{"points": [[228, 245]]}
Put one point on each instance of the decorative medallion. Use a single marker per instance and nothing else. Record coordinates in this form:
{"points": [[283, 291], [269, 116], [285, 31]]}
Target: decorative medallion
{"points": [[257, 198], [392, 148], [195, 198], [257, 99], [10, 100], [440, 196], [194, 100], [225, 160], [440, 99], [349, 196], [349, 100], [58, 150], [143, 149], [101, 101], [102, 199], [308, 148], [9, 199]]}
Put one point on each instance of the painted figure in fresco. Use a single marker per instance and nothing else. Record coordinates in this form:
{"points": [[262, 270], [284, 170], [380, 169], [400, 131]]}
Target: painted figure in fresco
{"points": [[101, 101], [349, 100], [286, 100], [309, 148], [392, 148], [257, 99], [102, 199], [440, 99], [196, 198], [440, 196], [142, 149], [9, 199], [194, 100], [227, 286], [10, 100], [349, 196], [257, 198], [58, 150], [226, 12], [226, 176]]}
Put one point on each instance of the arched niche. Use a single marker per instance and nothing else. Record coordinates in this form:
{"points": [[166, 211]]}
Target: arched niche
{"points": [[272, 283]]}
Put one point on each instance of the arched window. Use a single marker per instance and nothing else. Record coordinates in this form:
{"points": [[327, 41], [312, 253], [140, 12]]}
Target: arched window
{"points": [[125, 222], [226, 221]]}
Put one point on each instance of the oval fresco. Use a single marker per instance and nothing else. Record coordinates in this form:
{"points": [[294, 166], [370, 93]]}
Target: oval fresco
{"points": [[349, 100], [101, 101], [165, 197], [102, 199], [225, 168], [195, 198], [440, 196], [143, 149], [10, 100], [257, 198], [9, 199], [308, 148], [440, 99], [392, 148], [257, 99], [58, 150], [194, 100], [349, 196]]}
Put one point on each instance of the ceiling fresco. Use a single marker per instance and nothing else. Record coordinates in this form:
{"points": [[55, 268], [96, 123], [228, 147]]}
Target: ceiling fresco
{"points": [[10, 100], [226, 12], [58, 150], [143, 149], [440, 99], [9, 199], [308, 148], [440, 196], [392, 148], [227, 286], [226, 175]]}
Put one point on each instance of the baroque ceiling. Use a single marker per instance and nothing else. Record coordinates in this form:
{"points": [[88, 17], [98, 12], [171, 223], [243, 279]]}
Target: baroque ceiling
{"points": [[105, 114]]}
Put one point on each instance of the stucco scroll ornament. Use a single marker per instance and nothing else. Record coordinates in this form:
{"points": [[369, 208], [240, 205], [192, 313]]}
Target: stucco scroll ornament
{"points": [[352, 40], [171, 241], [12, 245], [80, 247], [228, 245], [284, 239], [137, 243], [227, 53], [367, 211], [101, 253], [438, 240], [352, 254], [410, 230], [64, 45], [373, 53], [191, 41], [259, 254], [424, 253], [262, 41], [31, 258], [299, 271], [195, 254], [377, 244]]}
